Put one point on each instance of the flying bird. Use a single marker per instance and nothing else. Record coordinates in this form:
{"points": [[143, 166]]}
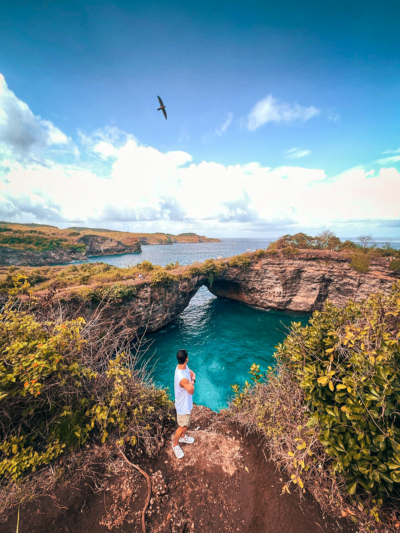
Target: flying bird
{"points": [[162, 107]]}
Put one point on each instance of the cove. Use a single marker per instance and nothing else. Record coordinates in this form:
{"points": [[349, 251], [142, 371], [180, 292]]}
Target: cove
{"points": [[223, 339]]}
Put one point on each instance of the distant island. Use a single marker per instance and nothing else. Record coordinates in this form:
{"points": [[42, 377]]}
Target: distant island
{"points": [[39, 245]]}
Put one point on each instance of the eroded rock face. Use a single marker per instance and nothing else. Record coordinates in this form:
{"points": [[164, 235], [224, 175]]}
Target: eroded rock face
{"points": [[98, 245], [302, 284], [95, 245], [12, 256]]}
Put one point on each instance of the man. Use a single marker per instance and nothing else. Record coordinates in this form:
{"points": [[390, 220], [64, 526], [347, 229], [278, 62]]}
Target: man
{"points": [[184, 389]]}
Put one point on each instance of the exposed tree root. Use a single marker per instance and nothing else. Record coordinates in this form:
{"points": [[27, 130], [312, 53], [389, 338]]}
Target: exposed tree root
{"points": [[148, 489]]}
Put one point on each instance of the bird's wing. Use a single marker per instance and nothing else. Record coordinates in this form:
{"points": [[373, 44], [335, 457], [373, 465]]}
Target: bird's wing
{"points": [[161, 102], [165, 113]]}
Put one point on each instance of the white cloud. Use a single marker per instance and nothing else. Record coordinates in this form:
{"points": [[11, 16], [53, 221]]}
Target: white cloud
{"points": [[332, 115], [295, 153], [21, 132], [224, 126], [388, 160], [123, 185], [396, 151], [270, 109], [105, 142], [149, 190]]}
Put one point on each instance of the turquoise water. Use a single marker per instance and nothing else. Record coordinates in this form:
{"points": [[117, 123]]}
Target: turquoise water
{"points": [[223, 339]]}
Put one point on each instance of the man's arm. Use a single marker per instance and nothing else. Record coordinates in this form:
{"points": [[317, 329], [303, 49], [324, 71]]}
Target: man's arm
{"points": [[188, 385], [192, 375]]}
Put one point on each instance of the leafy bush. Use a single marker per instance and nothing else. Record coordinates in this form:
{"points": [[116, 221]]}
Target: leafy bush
{"points": [[260, 253], [163, 279], [347, 363], [290, 250], [395, 265], [241, 261], [171, 266], [146, 266], [60, 384], [360, 262]]}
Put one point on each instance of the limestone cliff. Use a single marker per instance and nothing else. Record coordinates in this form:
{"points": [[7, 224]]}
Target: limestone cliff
{"points": [[98, 245], [16, 257], [301, 283], [95, 245]]}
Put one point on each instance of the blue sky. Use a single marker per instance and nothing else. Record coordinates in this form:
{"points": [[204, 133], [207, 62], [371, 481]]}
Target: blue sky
{"points": [[303, 89]]}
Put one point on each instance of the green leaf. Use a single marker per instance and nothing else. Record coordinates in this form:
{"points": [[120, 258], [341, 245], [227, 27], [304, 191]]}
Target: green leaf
{"points": [[395, 476], [351, 487]]}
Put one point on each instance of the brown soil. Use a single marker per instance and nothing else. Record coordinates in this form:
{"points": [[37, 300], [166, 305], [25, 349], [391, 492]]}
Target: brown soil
{"points": [[224, 484]]}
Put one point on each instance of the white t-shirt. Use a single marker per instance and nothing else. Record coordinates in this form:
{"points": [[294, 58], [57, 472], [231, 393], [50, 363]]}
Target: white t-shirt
{"points": [[183, 400]]}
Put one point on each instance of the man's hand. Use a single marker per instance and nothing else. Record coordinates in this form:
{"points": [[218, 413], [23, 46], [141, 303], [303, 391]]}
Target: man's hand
{"points": [[188, 385]]}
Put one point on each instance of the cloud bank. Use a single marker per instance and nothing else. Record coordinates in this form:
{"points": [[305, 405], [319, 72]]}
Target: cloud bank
{"points": [[21, 132], [115, 181]]}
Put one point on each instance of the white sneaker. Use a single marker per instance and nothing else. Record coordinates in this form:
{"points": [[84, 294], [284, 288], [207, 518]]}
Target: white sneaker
{"points": [[186, 440], [178, 452]]}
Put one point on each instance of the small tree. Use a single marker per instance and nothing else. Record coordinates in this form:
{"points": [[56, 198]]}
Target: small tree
{"points": [[325, 237], [365, 240]]}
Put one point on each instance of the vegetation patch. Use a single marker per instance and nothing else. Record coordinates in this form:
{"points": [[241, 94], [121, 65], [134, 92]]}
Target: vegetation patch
{"points": [[66, 383], [260, 253], [240, 261], [290, 250], [38, 244], [395, 265], [327, 240], [330, 410], [106, 293], [161, 278], [360, 262]]}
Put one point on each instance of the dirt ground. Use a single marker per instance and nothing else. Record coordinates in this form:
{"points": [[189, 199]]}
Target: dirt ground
{"points": [[224, 484]]}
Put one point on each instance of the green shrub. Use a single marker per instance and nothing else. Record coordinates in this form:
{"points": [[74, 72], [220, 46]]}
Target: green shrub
{"points": [[347, 363], [171, 266], [163, 279], [360, 262], [146, 266], [54, 395], [260, 253], [240, 261], [290, 250], [395, 265]]}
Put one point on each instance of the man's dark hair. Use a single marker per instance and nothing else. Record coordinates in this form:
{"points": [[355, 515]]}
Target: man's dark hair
{"points": [[181, 356]]}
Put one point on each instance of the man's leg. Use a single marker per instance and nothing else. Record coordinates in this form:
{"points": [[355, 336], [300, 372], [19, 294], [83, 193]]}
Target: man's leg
{"points": [[180, 432]]}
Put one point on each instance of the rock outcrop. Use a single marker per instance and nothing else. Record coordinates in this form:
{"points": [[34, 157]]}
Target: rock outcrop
{"points": [[16, 257], [301, 283], [95, 245], [98, 245]]}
